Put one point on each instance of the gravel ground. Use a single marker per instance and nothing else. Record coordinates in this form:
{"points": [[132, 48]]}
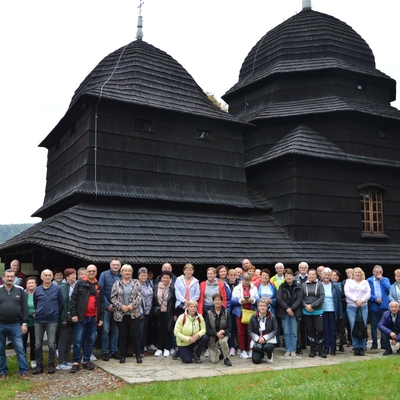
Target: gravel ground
{"points": [[63, 384]]}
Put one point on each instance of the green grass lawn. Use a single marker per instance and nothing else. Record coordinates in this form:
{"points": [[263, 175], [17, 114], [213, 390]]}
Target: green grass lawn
{"points": [[373, 379], [367, 380]]}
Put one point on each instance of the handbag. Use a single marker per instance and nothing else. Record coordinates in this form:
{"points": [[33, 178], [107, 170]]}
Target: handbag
{"points": [[246, 316], [359, 329], [68, 318], [155, 310]]}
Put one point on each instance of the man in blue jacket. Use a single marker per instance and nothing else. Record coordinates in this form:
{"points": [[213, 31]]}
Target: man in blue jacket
{"points": [[49, 302], [389, 325], [109, 335], [379, 302]]}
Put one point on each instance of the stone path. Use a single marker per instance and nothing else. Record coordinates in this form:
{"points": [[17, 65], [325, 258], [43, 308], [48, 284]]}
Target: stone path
{"points": [[155, 369]]}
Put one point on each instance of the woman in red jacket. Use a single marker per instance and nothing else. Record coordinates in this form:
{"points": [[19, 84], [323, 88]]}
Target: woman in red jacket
{"points": [[208, 288]]}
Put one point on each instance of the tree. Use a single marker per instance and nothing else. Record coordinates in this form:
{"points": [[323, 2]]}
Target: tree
{"points": [[220, 104]]}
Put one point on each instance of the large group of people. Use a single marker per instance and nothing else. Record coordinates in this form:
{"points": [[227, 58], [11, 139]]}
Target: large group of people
{"points": [[242, 311]]}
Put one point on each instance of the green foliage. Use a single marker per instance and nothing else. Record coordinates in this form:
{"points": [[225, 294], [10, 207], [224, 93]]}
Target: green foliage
{"points": [[223, 106], [9, 231]]}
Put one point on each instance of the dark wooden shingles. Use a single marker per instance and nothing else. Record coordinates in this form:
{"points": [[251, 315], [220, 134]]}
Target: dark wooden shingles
{"points": [[142, 74], [320, 106], [145, 235], [307, 142]]}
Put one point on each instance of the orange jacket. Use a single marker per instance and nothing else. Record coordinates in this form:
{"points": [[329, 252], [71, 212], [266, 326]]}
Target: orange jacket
{"points": [[222, 292]]}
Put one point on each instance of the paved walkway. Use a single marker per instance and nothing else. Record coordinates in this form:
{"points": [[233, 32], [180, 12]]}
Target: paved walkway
{"points": [[155, 369]]}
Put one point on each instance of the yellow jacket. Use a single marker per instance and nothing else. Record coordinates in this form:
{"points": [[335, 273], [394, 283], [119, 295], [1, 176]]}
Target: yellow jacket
{"points": [[187, 326]]}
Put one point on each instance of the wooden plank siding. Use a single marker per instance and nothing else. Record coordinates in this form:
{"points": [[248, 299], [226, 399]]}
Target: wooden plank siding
{"points": [[319, 200], [167, 162]]}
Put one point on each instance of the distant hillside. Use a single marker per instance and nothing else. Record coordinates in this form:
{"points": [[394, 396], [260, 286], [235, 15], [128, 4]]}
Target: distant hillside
{"points": [[9, 231]]}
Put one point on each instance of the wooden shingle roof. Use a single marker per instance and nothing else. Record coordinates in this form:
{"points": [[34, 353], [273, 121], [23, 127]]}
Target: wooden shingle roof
{"points": [[322, 105], [305, 141], [96, 233], [142, 74], [308, 41]]}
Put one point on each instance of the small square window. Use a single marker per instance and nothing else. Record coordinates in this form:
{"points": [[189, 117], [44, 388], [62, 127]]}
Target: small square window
{"points": [[143, 125], [383, 134], [202, 134], [362, 86]]}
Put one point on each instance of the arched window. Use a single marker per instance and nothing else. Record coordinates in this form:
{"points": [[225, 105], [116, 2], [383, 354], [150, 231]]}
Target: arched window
{"points": [[372, 210]]}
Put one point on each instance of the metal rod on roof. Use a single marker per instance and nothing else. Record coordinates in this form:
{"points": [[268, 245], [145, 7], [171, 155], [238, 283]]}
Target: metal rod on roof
{"points": [[139, 32]]}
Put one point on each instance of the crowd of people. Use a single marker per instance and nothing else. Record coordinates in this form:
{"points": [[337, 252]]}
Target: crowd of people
{"points": [[244, 311]]}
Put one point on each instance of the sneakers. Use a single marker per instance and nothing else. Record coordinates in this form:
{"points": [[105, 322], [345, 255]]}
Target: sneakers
{"points": [[3, 377], [293, 354], [33, 364], [244, 355], [93, 357], [105, 357], [88, 365], [227, 362], [166, 353], [269, 360], [196, 359], [238, 352], [287, 354], [75, 368], [114, 355], [64, 366], [250, 353], [206, 354], [172, 351], [24, 376], [232, 352], [158, 353], [152, 347]]}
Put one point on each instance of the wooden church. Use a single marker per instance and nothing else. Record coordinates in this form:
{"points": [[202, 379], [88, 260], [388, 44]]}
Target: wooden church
{"points": [[304, 167]]}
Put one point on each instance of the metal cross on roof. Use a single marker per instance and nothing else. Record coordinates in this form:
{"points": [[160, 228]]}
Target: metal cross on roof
{"points": [[140, 6]]}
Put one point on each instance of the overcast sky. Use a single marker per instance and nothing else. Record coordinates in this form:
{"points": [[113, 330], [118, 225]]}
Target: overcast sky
{"points": [[50, 46]]}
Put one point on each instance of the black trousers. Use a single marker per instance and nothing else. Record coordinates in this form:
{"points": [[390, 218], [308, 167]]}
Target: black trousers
{"points": [[164, 336], [32, 339], [129, 329], [259, 350], [65, 339], [315, 329]]}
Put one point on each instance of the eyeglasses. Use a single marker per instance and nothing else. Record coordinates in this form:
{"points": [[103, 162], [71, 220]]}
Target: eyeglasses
{"points": [[91, 272]]}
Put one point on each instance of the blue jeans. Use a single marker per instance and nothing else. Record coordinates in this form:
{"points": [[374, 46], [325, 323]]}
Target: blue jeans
{"points": [[13, 332], [51, 329], [351, 315], [289, 325], [375, 318], [329, 319], [84, 336], [107, 340]]}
